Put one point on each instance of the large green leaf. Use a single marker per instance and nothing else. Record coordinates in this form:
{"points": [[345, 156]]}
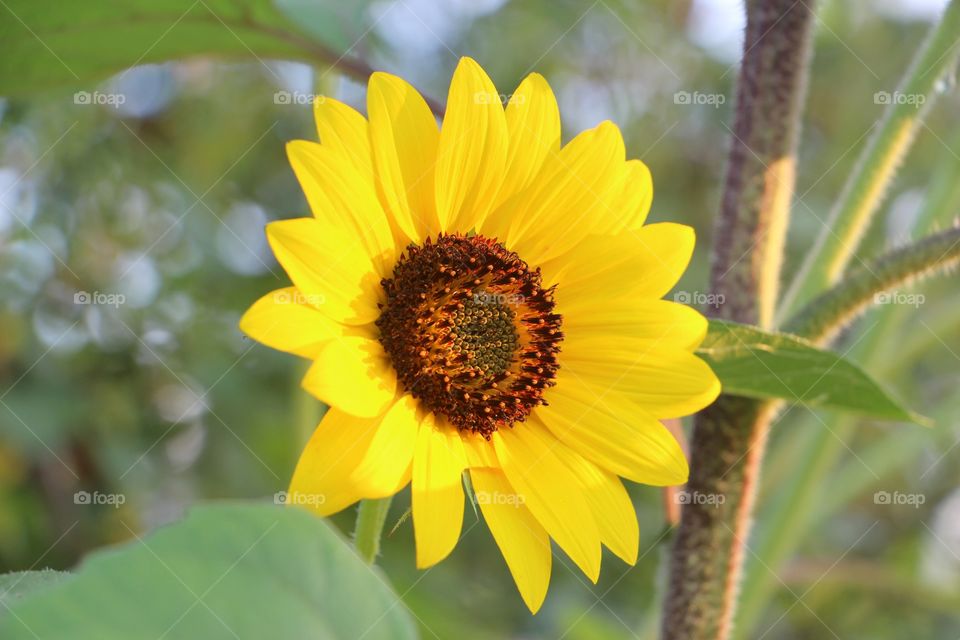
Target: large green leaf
{"points": [[46, 43], [15, 586], [758, 364], [226, 571]]}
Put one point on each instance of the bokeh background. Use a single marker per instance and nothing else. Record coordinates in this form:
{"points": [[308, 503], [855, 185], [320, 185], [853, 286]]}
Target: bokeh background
{"points": [[131, 240]]}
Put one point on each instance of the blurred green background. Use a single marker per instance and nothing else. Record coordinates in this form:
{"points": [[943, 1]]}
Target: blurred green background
{"points": [[131, 240]]}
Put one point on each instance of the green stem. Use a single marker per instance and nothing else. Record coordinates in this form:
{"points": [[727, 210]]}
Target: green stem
{"points": [[836, 308], [371, 516], [878, 164], [729, 437]]}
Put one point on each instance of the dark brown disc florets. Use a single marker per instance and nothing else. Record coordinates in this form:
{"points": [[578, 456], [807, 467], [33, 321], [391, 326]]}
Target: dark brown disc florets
{"points": [[470, 331]]}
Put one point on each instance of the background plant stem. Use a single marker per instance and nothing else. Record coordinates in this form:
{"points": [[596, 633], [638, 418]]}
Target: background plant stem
{"points": [[371, 516], [892, 139], [803, 498], [835, 308], [729, 437]]}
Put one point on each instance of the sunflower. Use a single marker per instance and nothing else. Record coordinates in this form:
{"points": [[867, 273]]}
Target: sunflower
{"points": [[481, 303]]}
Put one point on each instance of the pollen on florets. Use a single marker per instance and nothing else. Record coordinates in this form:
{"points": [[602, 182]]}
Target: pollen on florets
{"points": [[470, 331]]}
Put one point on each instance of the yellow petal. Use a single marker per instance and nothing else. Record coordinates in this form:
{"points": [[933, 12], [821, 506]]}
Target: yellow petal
{"points": [[354, 375], [523, 542], [282, 320], [344, 130], [321, 481], [613, 431], [667, 383], [644, 263], [350, 458], [533, 124], [640, 183], [472, 149], [328, 266], [479, 450], [386, 466], [343, 199], [609, 502], [551, 492], [404, 138], [660, 323], [575, 188], [437, 492], [633, 202]]}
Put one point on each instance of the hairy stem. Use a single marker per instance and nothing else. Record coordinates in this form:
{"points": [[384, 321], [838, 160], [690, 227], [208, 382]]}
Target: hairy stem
{"points": [[867, 285], [878, 164], [729, 438], [371, 515]]}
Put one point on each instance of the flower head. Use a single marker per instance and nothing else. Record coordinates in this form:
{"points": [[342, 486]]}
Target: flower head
{"points": [[478, 299]]}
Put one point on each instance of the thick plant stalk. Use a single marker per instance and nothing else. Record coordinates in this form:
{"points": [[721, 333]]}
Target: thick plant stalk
{"points": [[836, 308], [729, 437], [878, 164]]}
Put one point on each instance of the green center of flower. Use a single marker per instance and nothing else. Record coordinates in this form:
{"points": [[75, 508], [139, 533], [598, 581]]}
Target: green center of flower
{"points": [[484, 334], [470, 331]]}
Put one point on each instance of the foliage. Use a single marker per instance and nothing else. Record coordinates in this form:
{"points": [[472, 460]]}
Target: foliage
{"points": [[162, 199]]}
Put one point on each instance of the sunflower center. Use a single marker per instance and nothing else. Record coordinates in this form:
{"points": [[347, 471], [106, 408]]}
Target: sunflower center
{"points": [[470, 331], [484, 333]]}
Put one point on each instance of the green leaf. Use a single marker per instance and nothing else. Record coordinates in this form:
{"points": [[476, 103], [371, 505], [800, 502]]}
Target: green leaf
{"points": [[45, 43], [15, 586], [754, 363], [226, 571]]}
